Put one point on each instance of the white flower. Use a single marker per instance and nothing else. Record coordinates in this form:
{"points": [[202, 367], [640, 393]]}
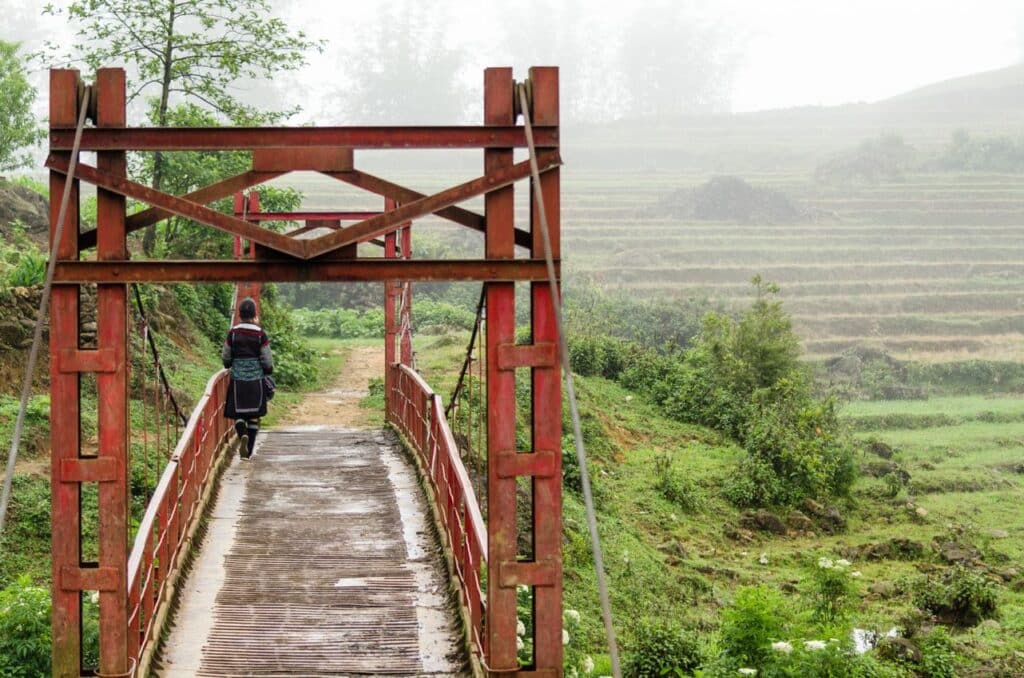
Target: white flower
{"points": [[519, 644], [94, 597], [782, 646], [588, 664], [763, 559], [748, 672], [855, 573], [843, 562], [814, 645], [522, 588], [573, 615], [565, 637], [825, 563], [520, 628]]}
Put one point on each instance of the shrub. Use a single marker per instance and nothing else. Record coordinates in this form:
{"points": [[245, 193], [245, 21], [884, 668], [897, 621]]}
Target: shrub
{"points": [[663, 648], [960, 597], [675, 485], [24, 630], [833, 587], [751, 623]]}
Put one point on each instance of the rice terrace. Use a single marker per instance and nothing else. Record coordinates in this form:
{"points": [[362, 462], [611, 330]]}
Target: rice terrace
{"points": [[562, 339]]}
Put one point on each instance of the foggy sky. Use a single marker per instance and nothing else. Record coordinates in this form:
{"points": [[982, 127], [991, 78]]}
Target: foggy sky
{"points": [[789, 52]]}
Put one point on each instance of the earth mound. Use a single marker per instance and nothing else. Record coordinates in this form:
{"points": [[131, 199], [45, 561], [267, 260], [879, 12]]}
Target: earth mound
{"points": [[21, 204], [728, 198]]}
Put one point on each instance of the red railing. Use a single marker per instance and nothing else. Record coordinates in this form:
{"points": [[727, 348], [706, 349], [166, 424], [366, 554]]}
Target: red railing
{"points": [[418, 414], [165, 527]]}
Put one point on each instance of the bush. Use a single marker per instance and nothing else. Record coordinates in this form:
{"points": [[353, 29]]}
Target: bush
{"points": [[24, 630], [751, 623], [663, 648], [675, 485], [885, 158], [960, 597], [833, 587]]}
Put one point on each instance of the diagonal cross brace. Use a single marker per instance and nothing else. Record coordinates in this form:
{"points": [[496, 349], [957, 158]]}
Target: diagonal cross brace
{"points": [[375, 226], [181, 207], [401, 194], [203, 196]]}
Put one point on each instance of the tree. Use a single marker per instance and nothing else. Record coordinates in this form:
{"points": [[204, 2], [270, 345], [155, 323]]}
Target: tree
{"points": [[195, 50], [404, 71], [18, 128], [671, 64]]}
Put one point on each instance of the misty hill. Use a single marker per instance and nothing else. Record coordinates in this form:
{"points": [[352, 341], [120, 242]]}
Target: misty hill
{"points": [[796, 139]]}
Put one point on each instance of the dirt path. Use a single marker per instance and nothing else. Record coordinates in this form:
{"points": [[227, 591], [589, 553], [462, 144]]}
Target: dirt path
{"points": [[339, 404]]}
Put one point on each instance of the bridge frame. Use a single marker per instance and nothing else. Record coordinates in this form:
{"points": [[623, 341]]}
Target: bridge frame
{"points": [[283, 257]]}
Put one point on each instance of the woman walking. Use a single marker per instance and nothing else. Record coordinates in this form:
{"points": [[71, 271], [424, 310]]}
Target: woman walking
{"points": [[247, 354]]}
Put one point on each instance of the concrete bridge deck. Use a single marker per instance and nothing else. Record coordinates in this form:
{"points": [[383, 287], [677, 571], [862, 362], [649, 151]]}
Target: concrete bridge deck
{"points": [[319, 560]]}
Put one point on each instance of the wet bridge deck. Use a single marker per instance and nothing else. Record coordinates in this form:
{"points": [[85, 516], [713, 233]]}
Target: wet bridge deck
{"points": [[319, 561]]}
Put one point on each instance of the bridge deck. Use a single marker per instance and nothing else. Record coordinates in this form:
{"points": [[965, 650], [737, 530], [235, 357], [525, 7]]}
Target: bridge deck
{"points": [[319, 561]]}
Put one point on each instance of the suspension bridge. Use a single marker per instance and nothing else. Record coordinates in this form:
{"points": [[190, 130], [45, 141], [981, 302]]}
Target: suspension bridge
{"points": [[317, 558]]}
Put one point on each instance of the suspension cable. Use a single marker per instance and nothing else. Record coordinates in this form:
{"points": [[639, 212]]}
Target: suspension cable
{"points": [[469, 356], [44, 306], [148, 334], [581, 453]]}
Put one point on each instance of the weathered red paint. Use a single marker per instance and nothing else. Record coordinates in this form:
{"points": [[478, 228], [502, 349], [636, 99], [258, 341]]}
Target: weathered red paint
{"points": [[65, 513], [134, 588], [246, 138], [499, 209], [284, 270], [112, 335], [547, 402]]}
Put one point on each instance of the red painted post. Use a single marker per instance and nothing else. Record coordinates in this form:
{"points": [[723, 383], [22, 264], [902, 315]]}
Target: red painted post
{"points": [[406, 288], [112, 334], [390, 288], [65, 511], [501, 397], [547, 401]]}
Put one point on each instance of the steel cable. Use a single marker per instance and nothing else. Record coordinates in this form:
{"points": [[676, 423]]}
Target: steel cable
{"points": [[581, 454], [44, 306]]}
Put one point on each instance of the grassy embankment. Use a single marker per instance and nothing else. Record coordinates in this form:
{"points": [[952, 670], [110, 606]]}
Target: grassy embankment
{"points": [[684, 563]]}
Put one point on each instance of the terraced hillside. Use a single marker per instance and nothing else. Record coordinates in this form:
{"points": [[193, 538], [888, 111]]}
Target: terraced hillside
{"points": [[930, 269]]}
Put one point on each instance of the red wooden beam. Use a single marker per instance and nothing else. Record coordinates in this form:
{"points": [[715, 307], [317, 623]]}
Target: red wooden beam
{"points": [[293, 270], [203, 196], [180, 206], [309, 216], [400, 194], [248, 138], [379, 225]]}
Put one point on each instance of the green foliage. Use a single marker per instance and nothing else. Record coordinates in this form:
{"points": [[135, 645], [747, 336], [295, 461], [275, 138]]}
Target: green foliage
{"points": [[610, 314], [960, 596], [884, 158], [196, 48], [832, 589], [965, 153], [673, 484], [341, 323], [25, 181], [663, 648], [22, 263], [751, 623], [207, 306], [18, 126], [24, 630], [938, 658], [293, 356], [37, 421]]}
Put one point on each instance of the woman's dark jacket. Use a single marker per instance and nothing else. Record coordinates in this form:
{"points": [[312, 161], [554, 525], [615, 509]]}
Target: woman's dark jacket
{"points": [[247, 354]]}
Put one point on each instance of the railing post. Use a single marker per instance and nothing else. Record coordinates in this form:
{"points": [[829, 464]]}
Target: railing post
{"points": [[501, 397], [390, 289]]}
